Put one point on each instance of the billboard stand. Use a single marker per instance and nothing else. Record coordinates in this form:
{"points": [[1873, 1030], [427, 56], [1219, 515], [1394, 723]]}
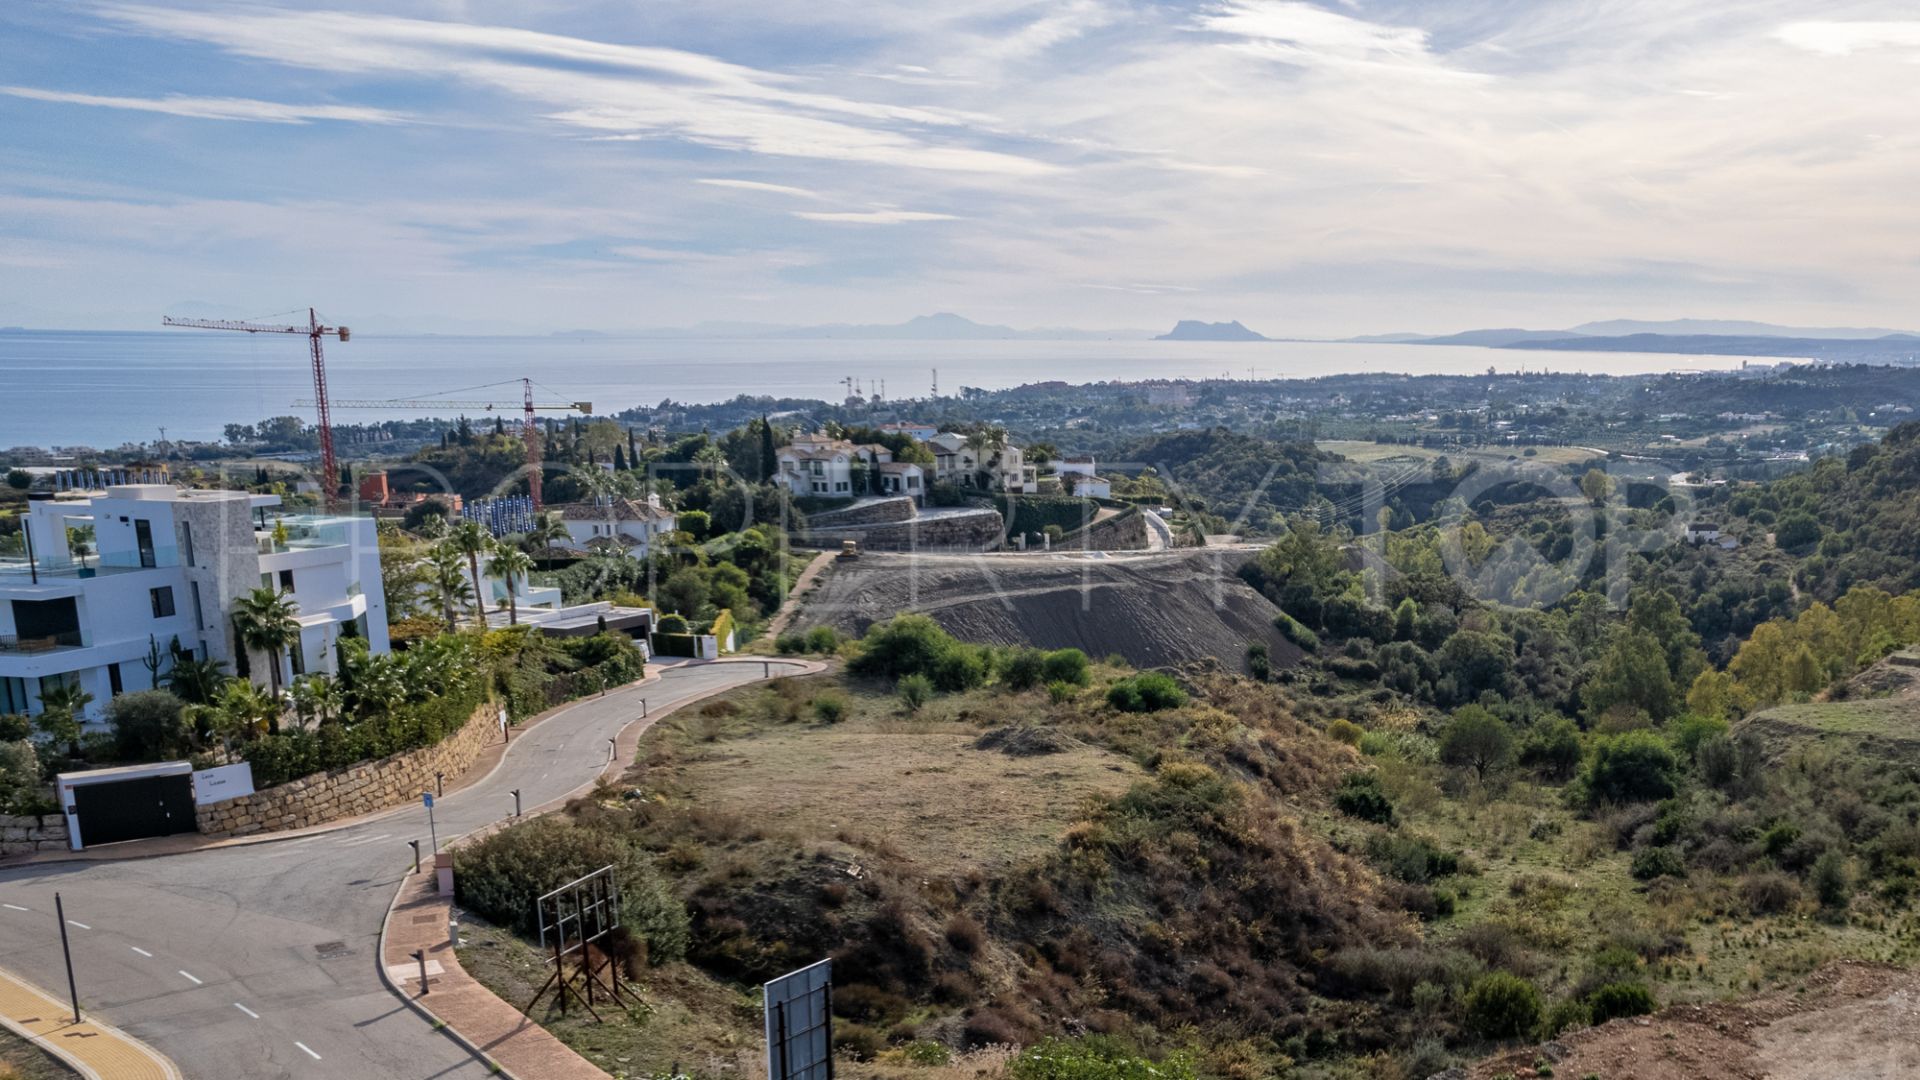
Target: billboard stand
{"points": [[573, 919], [799, 1022]]}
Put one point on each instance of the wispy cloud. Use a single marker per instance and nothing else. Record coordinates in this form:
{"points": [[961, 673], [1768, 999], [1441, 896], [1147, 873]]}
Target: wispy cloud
{"points": [[871, 217], [215, 108], [1844, 38], [758, 185], [609, 89]]}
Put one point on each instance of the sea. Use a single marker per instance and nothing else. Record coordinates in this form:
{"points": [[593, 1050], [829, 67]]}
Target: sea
{"points": [[104, 389]]}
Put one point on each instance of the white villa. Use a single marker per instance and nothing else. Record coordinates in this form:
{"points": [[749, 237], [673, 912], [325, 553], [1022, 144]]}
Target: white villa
{"points": [[1006, 468], [1079, 476], [823, 466], [630, 525], [917, 432], [166, 565]]}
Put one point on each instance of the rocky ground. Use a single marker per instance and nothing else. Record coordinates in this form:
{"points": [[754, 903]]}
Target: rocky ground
{"points": [[1847, 1021]]}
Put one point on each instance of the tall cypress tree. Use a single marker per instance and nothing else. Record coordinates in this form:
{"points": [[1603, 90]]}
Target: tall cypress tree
{"points": [[769, 461], [619, 458]]}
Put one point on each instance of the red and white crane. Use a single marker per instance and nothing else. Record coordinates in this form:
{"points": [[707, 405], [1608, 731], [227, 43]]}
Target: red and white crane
{"points": [[329, 470]]}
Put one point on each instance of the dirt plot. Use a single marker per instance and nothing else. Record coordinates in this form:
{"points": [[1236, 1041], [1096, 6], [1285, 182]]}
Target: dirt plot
{"points": [[1155, 609], [1845, 1022]]}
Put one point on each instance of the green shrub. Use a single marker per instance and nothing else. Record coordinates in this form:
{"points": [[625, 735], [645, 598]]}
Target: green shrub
{"points": [[1552, 749], [673, 624], [1657, 862], [147, 726], [1565, 1016], [1831, 882], [927, 1052], [1067, 666], [1686, 733], [1061, 692], [1295, 631], [1148, 691], [1094, 1057], [830, 708], [963, 667], [790, 644], [1023, 669], [1637, 766], [1346, 731], [903, 645], [503, 875], [1411, 859], [1360, 796], [915, 691], [1620, 999], [1502, 1006], [824, 640]]}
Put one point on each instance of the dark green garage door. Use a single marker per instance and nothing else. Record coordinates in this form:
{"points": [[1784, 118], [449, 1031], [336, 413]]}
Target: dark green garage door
{"points": [[134, 809]]}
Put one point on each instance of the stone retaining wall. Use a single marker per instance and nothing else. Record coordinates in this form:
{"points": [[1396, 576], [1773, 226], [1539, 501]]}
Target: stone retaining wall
{"points": [[1124, 531], [877, 512], [26, 835], [354, 790], [981, 530]]}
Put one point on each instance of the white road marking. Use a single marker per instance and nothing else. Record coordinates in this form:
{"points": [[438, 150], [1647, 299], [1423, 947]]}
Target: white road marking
{"points": [[188, 975], [362, 840], [308, 1049], [80, 925], [141, 951], [15, 907], [246, 1010]]}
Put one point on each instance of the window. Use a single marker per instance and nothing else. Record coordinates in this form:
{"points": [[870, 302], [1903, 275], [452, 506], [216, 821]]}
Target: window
{"points": [[162, 598], [266, 581], [143, 536], [286, 581], [297, 659], [13, 695], [113, 680], [186, 540], [199, 613]]}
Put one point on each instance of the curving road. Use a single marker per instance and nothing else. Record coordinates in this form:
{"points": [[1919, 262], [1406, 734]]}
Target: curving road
{"points": [[259, 961]]}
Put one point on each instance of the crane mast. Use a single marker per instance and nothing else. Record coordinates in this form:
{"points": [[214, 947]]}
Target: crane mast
{"points": [[323, 416]]}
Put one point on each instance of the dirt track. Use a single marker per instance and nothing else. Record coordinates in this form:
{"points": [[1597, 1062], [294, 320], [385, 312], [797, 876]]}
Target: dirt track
{"points": [[1852, 1022], [1155, 609]]}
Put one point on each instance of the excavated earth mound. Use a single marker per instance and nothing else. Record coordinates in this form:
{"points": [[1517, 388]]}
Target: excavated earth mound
{"points": [[1155, 609]]}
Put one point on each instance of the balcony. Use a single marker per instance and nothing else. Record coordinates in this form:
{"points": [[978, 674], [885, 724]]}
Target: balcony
{"points": [[305, 534], [10, 643]]}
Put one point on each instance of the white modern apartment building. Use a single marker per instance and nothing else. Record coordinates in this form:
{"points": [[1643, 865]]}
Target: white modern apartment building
{"points": [[115, 578]]}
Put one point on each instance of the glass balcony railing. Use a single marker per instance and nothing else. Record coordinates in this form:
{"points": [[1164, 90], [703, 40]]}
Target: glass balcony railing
{"points": [[15, 567]]}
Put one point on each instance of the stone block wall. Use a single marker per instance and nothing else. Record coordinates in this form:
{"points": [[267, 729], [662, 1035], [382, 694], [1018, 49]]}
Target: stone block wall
{"points": [[972, 530], [26, 835], [1124, 531], [355, 790], [877, 512]]}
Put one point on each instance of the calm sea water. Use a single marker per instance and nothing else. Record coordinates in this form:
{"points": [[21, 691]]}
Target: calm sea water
{"points": [[103, 389]]}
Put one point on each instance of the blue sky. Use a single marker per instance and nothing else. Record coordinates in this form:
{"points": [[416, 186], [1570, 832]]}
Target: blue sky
{"points": [[532, 165]]}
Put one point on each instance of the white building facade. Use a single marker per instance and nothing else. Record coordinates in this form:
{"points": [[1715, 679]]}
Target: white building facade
{"points": [[634, 526], [1001, 468], [117, 581]]}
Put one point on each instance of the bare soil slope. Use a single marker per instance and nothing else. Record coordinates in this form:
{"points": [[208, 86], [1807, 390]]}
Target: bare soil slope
{"points": [[1847, 1022], [1156, 610]]}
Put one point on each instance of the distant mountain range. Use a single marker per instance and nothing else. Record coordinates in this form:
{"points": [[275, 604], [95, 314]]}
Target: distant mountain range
{"points": [[1194, 330], [1698, 337]]}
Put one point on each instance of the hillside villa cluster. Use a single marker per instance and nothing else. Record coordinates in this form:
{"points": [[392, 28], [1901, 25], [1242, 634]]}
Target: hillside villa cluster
{"points": [[822, 466]]}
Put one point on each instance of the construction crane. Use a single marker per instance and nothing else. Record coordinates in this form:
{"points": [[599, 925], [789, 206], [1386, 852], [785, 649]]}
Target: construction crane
{"points": [[329, 471], [530, 431]]}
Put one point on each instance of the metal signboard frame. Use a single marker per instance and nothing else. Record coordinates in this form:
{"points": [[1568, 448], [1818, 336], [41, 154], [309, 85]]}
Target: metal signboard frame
{"points": [[573, 919], [799, 1024]]}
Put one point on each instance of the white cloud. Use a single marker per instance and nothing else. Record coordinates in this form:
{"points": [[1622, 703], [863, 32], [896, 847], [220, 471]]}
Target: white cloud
{"points": [[758, 185], [871, 217], [1846, 38], [211, 108], [609, 89]]}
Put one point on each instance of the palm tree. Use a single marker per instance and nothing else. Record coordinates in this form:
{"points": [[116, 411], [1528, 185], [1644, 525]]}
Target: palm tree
{"points": [[60, 709], [194, 680], [469, 539], [448, 580], [548, 528], [318, 698], [510, 563], [712, 457], [265, 620]]}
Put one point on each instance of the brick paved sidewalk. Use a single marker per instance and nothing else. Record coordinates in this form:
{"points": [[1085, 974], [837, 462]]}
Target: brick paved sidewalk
{"points": [[94, 1049]]}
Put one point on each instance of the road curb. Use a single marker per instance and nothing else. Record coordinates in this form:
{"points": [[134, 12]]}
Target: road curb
{"points": [[451, 960]]}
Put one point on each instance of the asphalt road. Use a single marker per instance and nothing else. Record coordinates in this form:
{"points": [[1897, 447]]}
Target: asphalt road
{"points": [[259, 961]]}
